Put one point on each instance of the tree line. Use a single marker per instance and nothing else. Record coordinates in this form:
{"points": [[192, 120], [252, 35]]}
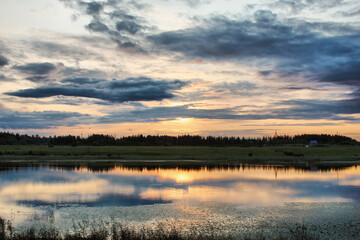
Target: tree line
{"points": [[7, 138]]}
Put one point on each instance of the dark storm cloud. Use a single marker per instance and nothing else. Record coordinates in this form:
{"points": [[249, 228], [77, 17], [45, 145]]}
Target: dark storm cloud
{"points": [[116, 91], [118, 23], [290, 47], [36, 68], [223, 38], [39, 120], [3, 61]]}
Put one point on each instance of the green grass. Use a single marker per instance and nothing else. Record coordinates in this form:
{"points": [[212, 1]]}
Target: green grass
{"points": [[162, 151], [161, 156]]}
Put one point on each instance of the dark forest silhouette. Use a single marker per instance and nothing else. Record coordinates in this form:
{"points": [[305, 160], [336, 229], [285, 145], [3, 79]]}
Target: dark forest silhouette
{"points": [[7, 138]]}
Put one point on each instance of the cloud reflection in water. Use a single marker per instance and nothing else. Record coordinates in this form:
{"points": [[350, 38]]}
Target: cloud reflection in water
{"points": [[120, 186]]}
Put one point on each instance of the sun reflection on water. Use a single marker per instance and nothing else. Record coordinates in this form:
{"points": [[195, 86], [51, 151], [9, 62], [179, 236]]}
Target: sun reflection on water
{"points": [[118, 186], [194, 196]]}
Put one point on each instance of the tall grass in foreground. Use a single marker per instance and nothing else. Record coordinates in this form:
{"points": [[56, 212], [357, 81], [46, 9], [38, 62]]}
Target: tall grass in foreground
{"points": [[118, 231]]}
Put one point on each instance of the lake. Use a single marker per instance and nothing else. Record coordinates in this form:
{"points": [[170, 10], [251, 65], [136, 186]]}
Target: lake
{"points": [[230, 198]]}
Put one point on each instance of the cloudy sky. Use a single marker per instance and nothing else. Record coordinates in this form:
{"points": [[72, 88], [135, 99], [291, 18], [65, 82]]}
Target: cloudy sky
{"points": [[208, 67]]}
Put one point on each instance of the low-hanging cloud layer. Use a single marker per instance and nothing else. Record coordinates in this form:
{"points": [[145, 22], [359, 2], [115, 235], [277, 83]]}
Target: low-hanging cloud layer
{"points": [[141, 61], [116, 91], [38, 120]]}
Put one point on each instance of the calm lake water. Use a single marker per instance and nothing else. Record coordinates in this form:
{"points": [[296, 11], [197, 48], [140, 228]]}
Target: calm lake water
{"points": [[144, 195]]}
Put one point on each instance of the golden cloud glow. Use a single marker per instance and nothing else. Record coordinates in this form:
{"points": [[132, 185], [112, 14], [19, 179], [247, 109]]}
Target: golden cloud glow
{"points": [[60, 192]]}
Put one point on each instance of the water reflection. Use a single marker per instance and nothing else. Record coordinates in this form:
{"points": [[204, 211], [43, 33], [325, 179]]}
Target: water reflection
{"points": [[185, 165], [28, 187]]}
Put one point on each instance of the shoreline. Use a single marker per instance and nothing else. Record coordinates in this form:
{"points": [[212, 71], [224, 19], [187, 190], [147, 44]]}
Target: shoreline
{"points": [[184, 157], [305, 163]]}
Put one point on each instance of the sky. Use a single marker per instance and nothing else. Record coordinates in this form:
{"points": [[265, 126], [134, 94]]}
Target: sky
{"points": [[200, 67]]}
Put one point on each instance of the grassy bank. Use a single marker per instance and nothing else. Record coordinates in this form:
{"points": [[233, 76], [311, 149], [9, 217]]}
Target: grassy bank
{"points": [[98, 157], [162, 152]]}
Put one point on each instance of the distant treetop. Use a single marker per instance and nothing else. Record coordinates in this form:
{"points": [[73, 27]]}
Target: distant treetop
{"points": [[7, 138]]}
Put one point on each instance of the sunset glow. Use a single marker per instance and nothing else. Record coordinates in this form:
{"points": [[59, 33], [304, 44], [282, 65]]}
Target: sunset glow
{"points": [[233, 68]]}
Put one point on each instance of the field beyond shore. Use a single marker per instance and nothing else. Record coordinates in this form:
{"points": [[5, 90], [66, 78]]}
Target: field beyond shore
{"points": [[179, 156]]}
